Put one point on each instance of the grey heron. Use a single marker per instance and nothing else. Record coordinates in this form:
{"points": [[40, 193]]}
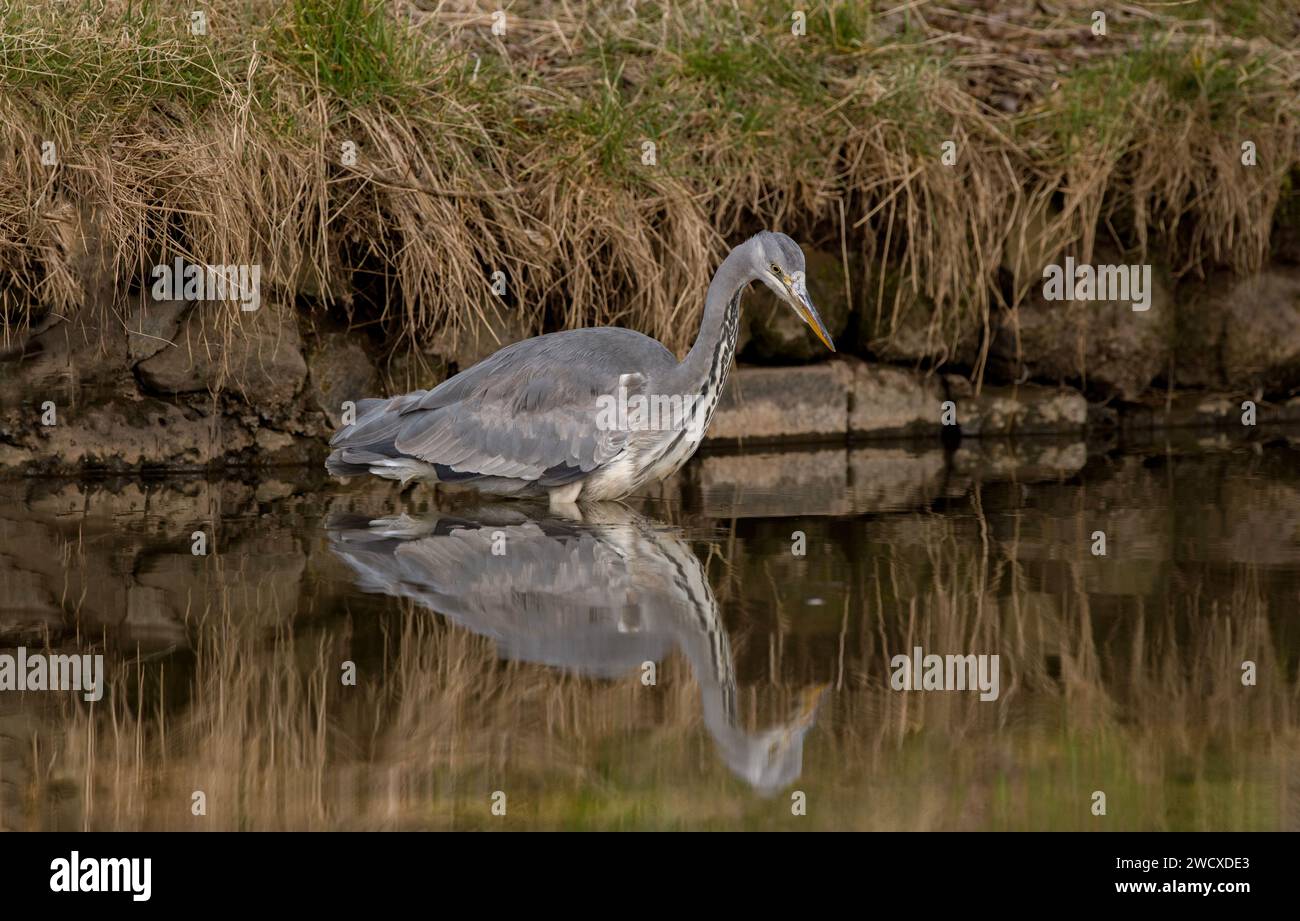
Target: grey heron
{"points": [[599, 596], [581, 415]]}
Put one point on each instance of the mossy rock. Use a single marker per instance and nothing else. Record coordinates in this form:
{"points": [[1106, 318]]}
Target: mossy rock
{"points": [[900, 324], [1241, 332], [1109, 346]]}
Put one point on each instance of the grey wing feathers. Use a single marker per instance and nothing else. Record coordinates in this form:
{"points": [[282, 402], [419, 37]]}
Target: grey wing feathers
{"points": [[527, 413]]}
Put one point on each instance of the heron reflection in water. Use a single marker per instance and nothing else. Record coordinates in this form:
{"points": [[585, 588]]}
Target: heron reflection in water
{"points": [[597, 596]]}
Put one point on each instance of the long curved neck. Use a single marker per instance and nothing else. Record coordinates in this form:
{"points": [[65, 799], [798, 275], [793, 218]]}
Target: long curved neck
{"points": [[710, 357]]}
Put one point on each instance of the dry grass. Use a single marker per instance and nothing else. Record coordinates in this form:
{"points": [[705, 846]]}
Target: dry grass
{"points": [[522, 153]]}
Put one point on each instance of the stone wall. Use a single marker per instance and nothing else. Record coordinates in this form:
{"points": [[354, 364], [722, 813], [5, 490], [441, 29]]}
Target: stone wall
{"points": [[177, 385]]}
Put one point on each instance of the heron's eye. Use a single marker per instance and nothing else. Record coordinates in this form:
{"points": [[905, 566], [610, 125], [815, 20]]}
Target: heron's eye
{"points": [[776, 269]]}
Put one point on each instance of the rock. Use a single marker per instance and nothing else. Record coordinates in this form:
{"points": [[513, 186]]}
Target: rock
{"points": [[339, 370], [893, 402], [1105, 345], [1024, 460], [483, 333], [1241, 332], [887, 479], [1205, 410], [278, 448], [153, 620], [774, 484], [262, 581], [271, 490], [775, 332], [1138, 535], [85, 249], [130, 434], [412, 369], [311, 281], [1103, 417], [872, 480], [152, 326], [1027, 409], [1285, 237], [1262, 527], [808, 403], [14, 458], [901, 325], [257, 354], [116, 554], [68, 360], [31, 611], [269, 441], [1033, 242]]}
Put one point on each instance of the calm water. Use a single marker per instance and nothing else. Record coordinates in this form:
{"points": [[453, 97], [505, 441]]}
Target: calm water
{"points": [[673, 663]]}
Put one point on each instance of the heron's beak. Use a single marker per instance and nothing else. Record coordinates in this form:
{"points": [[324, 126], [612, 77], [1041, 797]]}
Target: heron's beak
{"points": [[803, 305], [809, 699]]}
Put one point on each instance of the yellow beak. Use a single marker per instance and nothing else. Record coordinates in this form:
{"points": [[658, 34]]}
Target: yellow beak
{"points": [[803, 306]]}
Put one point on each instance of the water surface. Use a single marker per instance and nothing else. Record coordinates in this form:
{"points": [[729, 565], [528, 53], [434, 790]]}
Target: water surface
{"points": [[675, 662]]}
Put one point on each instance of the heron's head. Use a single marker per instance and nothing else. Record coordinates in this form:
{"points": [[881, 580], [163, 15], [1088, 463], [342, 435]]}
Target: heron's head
{"points": [[773, 758], [779, 263]]}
